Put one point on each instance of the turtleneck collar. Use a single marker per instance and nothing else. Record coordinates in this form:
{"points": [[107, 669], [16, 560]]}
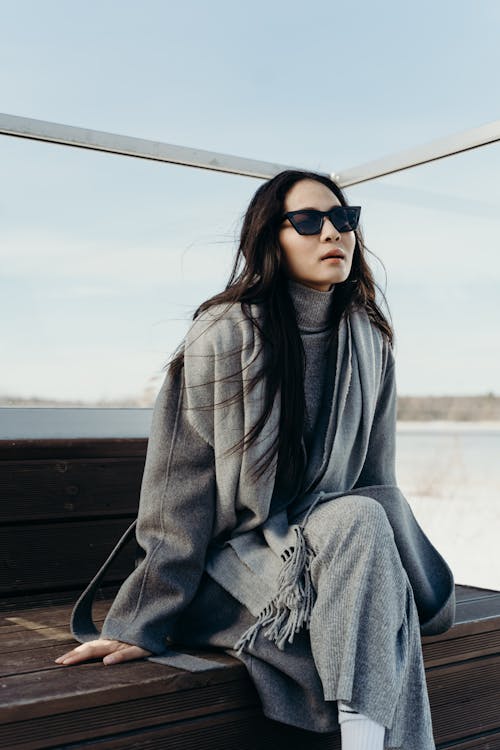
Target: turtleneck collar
{"points": [[311, 306]]}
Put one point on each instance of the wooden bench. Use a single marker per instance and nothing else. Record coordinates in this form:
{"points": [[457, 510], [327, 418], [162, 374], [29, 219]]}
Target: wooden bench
{"points": [[64, 505]]}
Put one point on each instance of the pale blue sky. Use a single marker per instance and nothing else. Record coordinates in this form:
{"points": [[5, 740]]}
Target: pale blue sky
{"points": [[104, 259]]}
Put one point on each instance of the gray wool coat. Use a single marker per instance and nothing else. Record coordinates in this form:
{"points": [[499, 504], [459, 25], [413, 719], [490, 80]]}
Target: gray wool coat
{"points": [[201, 512]]}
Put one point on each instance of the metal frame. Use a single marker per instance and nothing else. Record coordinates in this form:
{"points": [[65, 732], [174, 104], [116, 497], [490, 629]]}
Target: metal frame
{"points": [[439, 148], [97, 140], [124, 145]]}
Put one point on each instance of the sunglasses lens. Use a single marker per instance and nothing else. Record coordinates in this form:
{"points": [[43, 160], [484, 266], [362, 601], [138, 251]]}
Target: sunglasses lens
{"points": [[345, 218], [308, 222]]}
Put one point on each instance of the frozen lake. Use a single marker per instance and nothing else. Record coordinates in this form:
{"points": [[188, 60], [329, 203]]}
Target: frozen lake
{"points": [[450, 474]]}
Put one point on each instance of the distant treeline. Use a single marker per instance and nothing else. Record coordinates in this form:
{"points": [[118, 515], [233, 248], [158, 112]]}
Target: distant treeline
{"points": [[454, 408], [410, 408]]}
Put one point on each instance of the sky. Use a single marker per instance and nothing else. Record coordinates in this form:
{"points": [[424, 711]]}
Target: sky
{"points": [[104, 259]]}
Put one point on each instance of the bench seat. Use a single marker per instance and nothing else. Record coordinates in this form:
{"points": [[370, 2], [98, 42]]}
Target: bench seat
{"points": [[63, 504], [141, 704]]}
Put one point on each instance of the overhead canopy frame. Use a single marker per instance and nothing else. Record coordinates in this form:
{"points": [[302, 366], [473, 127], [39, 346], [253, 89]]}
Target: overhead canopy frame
{"points": [[124, 145]]}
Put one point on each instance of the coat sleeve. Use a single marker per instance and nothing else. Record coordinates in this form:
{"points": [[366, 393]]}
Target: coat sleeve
{"points": [[174, 526], [379, 466]]}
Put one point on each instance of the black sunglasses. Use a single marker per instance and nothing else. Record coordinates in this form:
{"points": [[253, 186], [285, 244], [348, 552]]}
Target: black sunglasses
{"points": [[310, 221]]}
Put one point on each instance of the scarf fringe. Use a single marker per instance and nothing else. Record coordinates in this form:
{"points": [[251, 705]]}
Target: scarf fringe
{"points": [[292, 606]]}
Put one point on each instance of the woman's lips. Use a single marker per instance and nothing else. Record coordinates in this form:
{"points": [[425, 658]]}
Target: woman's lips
{"points": [[335, 253]]}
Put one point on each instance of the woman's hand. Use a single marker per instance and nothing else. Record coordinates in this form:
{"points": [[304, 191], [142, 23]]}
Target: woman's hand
{"points": [[113, 652]]}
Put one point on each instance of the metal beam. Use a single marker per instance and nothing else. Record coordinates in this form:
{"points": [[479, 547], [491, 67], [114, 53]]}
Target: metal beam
{"points": [[98, 140], [437, 149]]}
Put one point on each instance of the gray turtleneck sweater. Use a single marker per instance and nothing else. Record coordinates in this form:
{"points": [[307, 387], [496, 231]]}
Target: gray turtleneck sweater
{"points": [[312, 309]]}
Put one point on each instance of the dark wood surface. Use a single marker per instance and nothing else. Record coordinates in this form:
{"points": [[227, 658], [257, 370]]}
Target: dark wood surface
{"points": [[63, 506], [58, 556], [43, 704], [69, 488], [24, 450]]}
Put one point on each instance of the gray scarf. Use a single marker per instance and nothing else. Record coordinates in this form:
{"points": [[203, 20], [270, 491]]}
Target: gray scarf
{"points": [[265, 563]]}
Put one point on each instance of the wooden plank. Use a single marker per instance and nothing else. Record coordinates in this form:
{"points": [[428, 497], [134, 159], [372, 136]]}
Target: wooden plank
{"points": [[482, 741], [15, 601], [478, 608], [23, 450], [91, 685], [460, 629], [46, 617], [22, 652], [465, 697], [249, 733], [21, 660], [69, 488], [62, 555], [15, 648], [129, 715], [58, 614], [28, 629], [469, 593], [470, 646], [243, 729], [31, 643], [474, 613]]}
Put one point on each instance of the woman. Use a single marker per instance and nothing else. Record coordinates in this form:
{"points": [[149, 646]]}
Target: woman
{"points": [[270, 517]]}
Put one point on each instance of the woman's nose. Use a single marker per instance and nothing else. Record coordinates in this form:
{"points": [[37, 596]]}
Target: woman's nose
{"points": [[329, 229]]}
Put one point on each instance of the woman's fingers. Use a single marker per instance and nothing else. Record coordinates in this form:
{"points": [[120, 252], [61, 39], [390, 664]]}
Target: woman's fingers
{"points": [[126, 653], [112, 652], [89, 650]]}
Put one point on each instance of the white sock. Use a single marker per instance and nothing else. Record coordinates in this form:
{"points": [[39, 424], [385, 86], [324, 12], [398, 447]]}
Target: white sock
{"points": [[359, 732]]}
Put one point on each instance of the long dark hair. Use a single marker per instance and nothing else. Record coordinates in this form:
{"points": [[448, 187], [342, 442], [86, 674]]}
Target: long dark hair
{"points": [[262, 280]]}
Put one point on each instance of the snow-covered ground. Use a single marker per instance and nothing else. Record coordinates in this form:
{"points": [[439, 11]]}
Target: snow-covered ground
{"points": [[450, 474]]}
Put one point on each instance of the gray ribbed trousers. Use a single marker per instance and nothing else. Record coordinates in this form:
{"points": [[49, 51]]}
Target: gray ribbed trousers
{"points": [[363, 645]]}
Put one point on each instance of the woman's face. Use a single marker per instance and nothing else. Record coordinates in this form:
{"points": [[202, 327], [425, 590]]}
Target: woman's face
{"points": [[304, 254]]}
